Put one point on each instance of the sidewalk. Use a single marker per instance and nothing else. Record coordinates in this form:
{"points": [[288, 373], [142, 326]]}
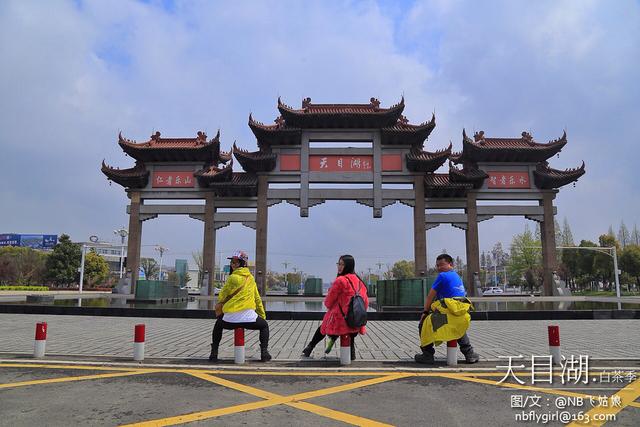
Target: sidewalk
{"points": [[386, 341]]}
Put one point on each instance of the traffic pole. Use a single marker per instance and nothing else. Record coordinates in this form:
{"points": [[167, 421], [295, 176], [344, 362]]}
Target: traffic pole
{"points": [[238, 346], [345, 349], [138, 343], [452, 353], [41, 340], [554, 343]]}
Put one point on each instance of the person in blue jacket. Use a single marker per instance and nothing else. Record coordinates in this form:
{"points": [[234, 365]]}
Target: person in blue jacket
{"points": [[448, 284]]}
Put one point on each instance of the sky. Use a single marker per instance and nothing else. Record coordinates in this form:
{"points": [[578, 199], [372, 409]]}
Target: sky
{"points": [[75, 73]]}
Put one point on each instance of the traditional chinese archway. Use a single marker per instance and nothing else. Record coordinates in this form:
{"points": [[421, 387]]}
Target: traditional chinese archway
{"points": [[291, 151]]}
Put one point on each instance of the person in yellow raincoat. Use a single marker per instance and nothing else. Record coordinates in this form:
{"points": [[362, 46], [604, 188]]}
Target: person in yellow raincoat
{"points": [[449, 318]]}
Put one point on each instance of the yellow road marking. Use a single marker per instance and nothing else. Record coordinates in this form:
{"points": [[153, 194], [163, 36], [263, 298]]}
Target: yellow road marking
{"points": [[517, 386], [76, 378], [303, 373], [196, 416], [78, 367], [627, 395], [305, 406]]}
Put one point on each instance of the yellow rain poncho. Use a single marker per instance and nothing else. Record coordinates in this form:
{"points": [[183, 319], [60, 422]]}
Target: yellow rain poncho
{"points": [[448, 321]]}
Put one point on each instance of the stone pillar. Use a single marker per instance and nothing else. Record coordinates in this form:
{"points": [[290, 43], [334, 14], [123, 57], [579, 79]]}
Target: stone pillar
{"points": [[135, 238], [471, 236], [261, 234], [419, 228], [548, 240], [209, 245]]}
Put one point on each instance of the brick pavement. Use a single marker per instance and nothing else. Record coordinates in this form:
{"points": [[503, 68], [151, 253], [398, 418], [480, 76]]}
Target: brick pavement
{"points": [[385, 340]]}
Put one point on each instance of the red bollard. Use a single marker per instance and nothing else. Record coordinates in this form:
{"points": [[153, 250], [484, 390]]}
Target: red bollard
{"points": [[138, 343], [345, 349], [554, 343], [41, 340], [238, 345], [452, 353]]}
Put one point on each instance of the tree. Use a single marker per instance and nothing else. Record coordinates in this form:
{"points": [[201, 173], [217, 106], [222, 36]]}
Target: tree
{"points": [[567, 236], [635, 236], [64, 261], [150, 268], [96, 269], [197, 258], [624, 237], [525, 258], [403, 269], [602, 263], [584, 262], [630, 261], [498, 255], [22, 266], [176, 279]]}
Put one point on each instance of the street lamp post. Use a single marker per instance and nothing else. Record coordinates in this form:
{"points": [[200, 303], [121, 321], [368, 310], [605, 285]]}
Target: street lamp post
{"points": [[93, 239], [123, 233], [84, 250], [162, 250]]}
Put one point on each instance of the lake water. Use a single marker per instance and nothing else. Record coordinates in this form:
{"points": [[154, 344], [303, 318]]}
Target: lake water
{"points": [[294, 305]]}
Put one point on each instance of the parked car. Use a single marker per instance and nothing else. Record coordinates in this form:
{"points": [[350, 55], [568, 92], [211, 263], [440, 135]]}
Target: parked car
{"points": [[493, 290]]}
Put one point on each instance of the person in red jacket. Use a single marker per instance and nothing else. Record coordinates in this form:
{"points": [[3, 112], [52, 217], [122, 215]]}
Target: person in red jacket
{"points": [[337, 303]]}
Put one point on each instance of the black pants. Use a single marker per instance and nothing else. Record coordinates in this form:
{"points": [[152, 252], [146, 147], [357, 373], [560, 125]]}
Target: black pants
{"points": [[318, 336], [260, 324], [463, 343]]}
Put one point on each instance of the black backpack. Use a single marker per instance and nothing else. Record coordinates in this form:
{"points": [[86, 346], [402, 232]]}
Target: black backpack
{"points": [[357, 313]]}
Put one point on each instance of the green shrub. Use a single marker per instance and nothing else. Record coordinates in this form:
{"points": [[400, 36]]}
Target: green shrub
{"points": [[23, 288]]}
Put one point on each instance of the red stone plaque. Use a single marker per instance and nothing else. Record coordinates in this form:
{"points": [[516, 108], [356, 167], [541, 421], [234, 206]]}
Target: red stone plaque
{"points": [[338, 163], [503, 179], [173, 179]]}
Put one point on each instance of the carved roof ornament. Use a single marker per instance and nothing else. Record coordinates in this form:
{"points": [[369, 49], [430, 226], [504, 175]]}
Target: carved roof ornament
{"points": [[257, 161], [135, 177], [424, 161], [546, 177], [306, 102], [522, 149], [375, 103], [279, 121]]}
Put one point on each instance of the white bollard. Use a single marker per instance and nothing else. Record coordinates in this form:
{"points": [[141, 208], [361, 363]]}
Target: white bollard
{"points": [[138, 343], [238, 346], [554, 343], [452, 353], [345, 349], [41, 340]]}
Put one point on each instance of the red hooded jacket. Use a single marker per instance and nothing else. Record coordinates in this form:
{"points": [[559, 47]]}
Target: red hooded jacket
{"points": [[337, 302]]}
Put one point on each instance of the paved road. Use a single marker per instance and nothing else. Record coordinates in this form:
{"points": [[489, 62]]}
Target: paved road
{"points": [[74, 394], [386, 341]]}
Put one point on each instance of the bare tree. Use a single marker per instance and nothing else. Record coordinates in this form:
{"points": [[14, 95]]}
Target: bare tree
{"points": [[635, 235], [624, 237]]}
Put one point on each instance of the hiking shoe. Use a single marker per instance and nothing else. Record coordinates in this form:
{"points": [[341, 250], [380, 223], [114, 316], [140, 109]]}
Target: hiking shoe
{"points": [[264, 355], [330, 343], [307, 352], [424, 358], [472, 357], [213, 356]]}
